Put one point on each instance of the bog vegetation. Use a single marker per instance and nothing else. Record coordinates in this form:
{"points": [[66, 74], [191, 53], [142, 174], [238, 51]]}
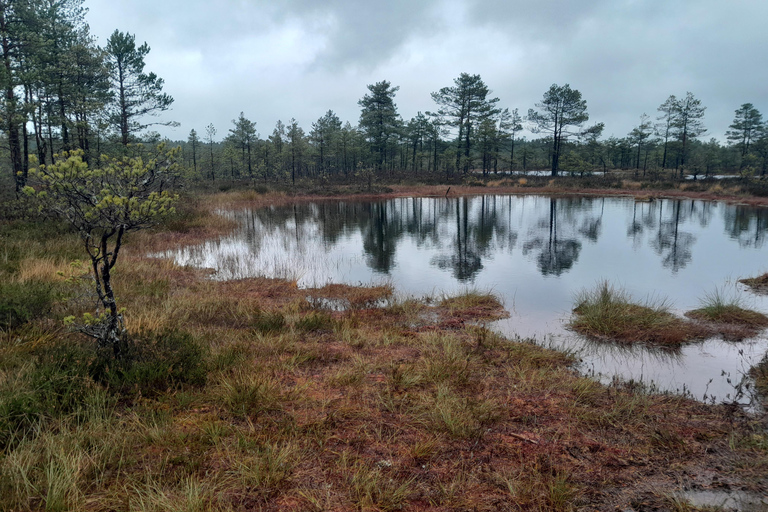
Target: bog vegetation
{"points": [[255, 394]]}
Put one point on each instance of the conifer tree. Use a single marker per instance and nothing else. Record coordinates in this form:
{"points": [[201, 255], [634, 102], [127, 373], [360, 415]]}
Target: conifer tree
{"points": [[137, 94]]}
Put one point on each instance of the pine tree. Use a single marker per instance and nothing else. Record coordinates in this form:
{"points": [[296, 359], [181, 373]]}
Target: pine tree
{"points": [[745, 127], [379, 119], [465, 106], [137, 94], [560, 112]]}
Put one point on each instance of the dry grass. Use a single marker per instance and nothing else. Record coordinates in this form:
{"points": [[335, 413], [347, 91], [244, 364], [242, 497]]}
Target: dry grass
{"points": [[608, 313], [44, 269], [727, 316], [474, 304], [759, 373], [759, 284], [401, 407]]}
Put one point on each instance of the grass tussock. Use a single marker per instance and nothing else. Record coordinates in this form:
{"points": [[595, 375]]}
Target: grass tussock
{"points": [[474, 304], [759, 374], [728, 316], [352, 297], [608, 313], [248, 395], [758, 284]]}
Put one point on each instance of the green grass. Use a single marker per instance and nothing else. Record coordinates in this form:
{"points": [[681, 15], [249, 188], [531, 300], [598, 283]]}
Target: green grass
{"points": [[474, 303], [720, 308], [609, 313], [23, 302]]}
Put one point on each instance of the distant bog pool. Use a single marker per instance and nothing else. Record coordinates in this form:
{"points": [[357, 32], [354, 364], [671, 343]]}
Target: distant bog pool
{"points": [[535, 253]]}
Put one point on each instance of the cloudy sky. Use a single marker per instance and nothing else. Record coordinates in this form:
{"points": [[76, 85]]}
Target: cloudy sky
{"points": [[280, 59]]}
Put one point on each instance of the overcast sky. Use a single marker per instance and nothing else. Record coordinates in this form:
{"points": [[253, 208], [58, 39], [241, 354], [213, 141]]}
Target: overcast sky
{"points": [[299, 58]]}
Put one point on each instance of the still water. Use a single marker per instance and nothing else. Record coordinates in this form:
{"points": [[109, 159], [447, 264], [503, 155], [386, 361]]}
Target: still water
{"points": [[534, 252]]}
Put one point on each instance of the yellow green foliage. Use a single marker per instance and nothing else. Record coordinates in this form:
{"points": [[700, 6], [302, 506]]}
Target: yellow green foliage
{"points": [[122, 193]]}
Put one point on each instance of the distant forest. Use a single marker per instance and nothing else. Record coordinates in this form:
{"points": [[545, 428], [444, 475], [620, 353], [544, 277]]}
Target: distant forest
{"points": [[62, 92]]}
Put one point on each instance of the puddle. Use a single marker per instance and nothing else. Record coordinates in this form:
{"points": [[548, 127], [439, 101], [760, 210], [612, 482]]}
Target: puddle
{"points": [[739, 501]]}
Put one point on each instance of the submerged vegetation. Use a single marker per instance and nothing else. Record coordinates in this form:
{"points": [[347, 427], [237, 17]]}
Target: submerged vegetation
{"points": [[257, 394]]}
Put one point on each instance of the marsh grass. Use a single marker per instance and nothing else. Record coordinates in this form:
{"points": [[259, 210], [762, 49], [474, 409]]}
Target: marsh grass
{"points": [[733, 320], [758, 284], [459, 416], [353, 297], [248, 393], [376, 488], [608, 313], [22, 302], [474, 304], [759, 373], [316, 321], [245, 395], [266, 469]]}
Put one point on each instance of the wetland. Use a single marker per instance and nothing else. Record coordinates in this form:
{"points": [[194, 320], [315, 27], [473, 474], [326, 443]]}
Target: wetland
{"points": [[536, 253]]}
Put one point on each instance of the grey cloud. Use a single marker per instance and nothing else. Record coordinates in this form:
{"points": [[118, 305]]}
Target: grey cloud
{"points": [[626, 56], [364, 34]]}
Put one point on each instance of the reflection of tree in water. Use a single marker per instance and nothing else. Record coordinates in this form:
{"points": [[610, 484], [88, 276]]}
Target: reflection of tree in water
{"points": [[748, 226], [670, 242], [667, 238], [381, 235], [481, 228], [464, 260], [557, 237]]}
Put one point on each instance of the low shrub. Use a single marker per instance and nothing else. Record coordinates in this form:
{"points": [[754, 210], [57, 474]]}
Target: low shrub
{"points": [[54, 385], [22, 302], [153, 363]]}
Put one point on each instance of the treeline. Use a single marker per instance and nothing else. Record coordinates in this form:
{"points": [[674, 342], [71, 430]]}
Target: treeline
{"points": [[468, 132], [61, 91]]}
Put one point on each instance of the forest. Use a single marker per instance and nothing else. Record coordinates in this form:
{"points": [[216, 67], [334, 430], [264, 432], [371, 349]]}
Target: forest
{"points": [[62, 91]]}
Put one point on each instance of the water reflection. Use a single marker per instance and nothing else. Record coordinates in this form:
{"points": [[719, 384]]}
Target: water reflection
{"points": [[535, 252]]}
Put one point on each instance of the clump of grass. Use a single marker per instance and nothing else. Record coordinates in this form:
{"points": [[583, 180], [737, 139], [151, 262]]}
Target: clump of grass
{"points": [[315, 321], [250, 393], [537, 486], [474, 304], [269, 322], [460, 417], [355, 297], [375, 489], [759, 373], [728, 316], [758, 284], [608, 313], [264, 471], [152, 364]]}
